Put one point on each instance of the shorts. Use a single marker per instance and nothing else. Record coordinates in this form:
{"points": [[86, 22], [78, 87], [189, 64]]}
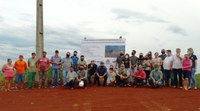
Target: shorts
{"points": [[19, 78], [186, 74], [8, 78]]}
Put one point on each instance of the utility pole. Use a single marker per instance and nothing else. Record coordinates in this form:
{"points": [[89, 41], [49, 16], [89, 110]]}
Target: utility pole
{"points": [[39, 32], [39, 29]]}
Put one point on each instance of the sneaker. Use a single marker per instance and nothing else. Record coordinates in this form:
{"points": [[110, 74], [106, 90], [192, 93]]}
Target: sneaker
{"points": [[195, 88], [189, 88], [181, 87], [52, 87]]}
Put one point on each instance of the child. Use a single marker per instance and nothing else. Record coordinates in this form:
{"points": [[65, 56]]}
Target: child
{"points": [[8, 70], [111, 77]]}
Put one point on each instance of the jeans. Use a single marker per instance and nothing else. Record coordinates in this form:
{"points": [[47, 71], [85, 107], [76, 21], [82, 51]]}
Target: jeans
{"points": [[64, 77], [98, 81], [139, 81], [131, 73], [31, 79], [169, 75], [55, 74], [151, 83], [43, 75], [89, 77], [121, 82], [148, 72], [19, 78], [71, 83], [192, 78], [179, 73]]}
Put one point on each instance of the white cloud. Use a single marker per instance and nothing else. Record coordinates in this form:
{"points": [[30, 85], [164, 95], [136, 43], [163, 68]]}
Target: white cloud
{"points": [[146, 24]]}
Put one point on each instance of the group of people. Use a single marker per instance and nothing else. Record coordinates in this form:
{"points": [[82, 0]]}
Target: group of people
{"points": [[161, 70]]}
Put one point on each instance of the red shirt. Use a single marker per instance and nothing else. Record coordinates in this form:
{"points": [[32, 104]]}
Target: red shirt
{"points": [[43, 63], [142, 74]]}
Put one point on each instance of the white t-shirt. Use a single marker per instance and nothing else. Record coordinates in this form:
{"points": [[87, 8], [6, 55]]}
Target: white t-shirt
{"points": [[167, 62], [176, 62]]}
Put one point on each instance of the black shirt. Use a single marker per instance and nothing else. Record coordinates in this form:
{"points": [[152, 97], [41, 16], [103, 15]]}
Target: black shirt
{"points": [[93, 69], [163, 56], [193, 58]]}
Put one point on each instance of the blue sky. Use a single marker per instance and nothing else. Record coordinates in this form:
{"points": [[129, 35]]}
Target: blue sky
{"points": [[146, 24]]}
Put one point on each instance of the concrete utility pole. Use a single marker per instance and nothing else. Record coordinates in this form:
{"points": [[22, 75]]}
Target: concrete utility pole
{"points": [[39, 29]]}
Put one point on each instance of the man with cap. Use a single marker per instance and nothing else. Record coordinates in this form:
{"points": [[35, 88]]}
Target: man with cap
{"points": [[20, 66], [156, 77], [56, 62], [43, 64]]}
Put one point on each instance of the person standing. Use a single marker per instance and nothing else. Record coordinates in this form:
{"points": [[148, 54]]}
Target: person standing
{"points": [[177, 68], [82, 62], [56, 62], [32, 70], [66, 63], [157, 60], [20, 66], [75, 60], [194, 69], [140, 59], [134, 63], [187, 64], [8, 71], [167, 66], [92, 68], [43, 64], [147, 66], [163, 56], [119, 60]]}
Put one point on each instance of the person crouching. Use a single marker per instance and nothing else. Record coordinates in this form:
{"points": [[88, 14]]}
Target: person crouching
{"points": [[156, 77], [71, 77], [82, 76], [139, 77]]}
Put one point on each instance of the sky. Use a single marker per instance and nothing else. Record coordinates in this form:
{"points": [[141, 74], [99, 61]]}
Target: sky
{"points": [[147, 25]]}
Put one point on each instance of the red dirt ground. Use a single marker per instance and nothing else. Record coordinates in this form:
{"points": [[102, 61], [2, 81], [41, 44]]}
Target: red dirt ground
{"points": [[101, 99]]}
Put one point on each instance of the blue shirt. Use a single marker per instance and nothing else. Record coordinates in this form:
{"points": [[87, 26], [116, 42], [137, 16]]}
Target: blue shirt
{"points": [[75, 62], [101, 70], [56, 59]]}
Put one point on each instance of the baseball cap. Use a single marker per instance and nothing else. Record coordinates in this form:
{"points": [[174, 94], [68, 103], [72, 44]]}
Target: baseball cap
{"points": [[21, 56]]}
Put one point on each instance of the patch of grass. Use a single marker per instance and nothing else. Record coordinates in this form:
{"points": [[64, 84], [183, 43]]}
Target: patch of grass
{"points": [[197, 76]]}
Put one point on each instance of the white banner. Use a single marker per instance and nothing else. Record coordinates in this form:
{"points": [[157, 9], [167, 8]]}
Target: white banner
{"points": [[105, 50]]}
